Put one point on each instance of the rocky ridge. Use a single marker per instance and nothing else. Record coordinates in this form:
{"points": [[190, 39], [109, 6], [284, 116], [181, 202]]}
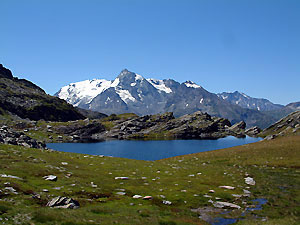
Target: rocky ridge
{"points": [[151, 127]]}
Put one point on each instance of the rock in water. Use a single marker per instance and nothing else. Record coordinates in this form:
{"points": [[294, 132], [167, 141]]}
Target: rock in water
{"points": [[63, 202]]}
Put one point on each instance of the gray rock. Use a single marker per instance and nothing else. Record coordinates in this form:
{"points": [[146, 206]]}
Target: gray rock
{"points": [[50, 178], [270, 137], [253, 131], [249, 181], [227, 187], [226, 205], [63, 202], [10, 176]]}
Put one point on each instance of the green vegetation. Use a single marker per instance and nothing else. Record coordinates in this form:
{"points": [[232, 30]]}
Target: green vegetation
{"points": [[181, 180]]}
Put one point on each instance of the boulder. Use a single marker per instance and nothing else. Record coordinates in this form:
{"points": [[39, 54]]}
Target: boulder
{"points": [[63, 202]]}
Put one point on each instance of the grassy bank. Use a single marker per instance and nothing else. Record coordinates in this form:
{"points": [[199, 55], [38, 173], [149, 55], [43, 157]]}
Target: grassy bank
{"points": [[184, 180]]}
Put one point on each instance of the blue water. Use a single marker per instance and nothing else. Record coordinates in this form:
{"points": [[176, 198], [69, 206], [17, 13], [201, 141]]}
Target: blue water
{"points": [[150, 150]]}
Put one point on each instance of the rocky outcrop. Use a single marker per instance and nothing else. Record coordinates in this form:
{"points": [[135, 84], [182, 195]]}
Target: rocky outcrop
{"points": [[10, 136], [194, 126], [253, 131], [289, 125], [82, 132]]}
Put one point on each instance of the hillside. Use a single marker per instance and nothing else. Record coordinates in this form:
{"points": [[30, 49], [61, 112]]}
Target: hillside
{"points": [[22, 98]]}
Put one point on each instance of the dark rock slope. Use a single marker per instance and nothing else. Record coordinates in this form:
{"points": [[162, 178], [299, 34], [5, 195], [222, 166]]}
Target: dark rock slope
{"points": [[22, 98]]}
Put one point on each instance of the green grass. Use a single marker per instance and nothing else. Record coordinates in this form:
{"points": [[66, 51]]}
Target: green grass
{"points": [[275, 166]]}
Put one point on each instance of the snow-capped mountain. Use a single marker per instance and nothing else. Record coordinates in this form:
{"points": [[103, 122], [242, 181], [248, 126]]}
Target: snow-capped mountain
{"points": [[248, 102], [131, 92]]}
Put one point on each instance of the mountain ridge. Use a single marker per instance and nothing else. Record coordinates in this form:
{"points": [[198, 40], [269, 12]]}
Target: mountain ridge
{"points": [[130, 92], [245, 101]]}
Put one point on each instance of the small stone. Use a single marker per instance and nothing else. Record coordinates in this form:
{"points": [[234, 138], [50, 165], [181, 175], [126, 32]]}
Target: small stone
{"points": [[249, 181], [11, 189], [137, 196], [166, 202], [10, 176], [236, 196], [206, 196], [120, 193], [148, 197], [227, 187], [50, 178], [211, 191], [121, 178]]}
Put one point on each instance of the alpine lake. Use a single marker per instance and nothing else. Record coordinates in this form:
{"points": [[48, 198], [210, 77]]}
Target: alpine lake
{"points": [[150, 150]]}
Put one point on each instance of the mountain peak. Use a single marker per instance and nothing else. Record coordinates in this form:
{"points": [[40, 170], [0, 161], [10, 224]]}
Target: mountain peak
{"points": [[125, 71], [191, 84]]}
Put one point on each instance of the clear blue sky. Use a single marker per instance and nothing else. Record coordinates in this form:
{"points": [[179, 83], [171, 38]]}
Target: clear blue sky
{"points": [[248, 45]]}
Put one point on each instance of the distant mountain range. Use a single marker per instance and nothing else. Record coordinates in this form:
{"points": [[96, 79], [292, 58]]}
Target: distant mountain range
{"points": [[132, 93], [245, 101]]}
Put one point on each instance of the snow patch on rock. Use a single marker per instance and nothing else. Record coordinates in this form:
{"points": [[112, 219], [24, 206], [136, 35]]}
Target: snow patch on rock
{"points": [[160, 85]]}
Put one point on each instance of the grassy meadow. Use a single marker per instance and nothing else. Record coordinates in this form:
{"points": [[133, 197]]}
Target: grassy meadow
{"points": [[184, 181]]}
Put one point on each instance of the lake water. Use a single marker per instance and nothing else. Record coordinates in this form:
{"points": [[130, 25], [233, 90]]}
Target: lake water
{"points": [[150, 150]]}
